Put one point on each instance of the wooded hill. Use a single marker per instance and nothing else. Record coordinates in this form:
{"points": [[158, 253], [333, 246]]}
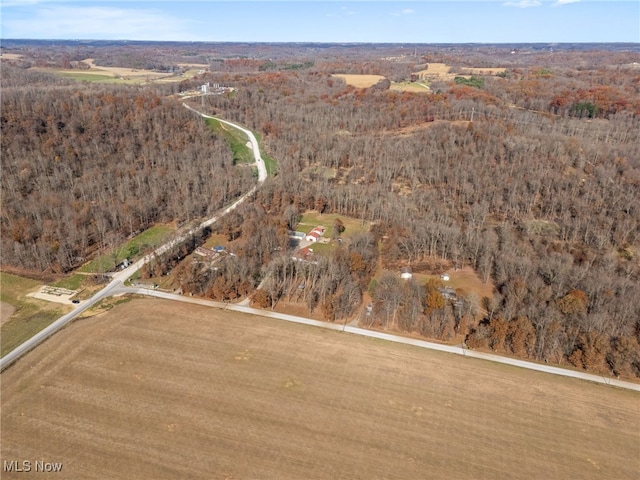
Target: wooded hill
{"points": [[539, 193]]}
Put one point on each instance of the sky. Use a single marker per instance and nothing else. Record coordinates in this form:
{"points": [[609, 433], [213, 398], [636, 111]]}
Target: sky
{"points": [[396, 21]]}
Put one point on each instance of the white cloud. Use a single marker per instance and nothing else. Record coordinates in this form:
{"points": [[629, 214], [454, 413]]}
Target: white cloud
{"points": [[523, 4], [69, 22], [564, 2], [343, 11], [406, 11]]}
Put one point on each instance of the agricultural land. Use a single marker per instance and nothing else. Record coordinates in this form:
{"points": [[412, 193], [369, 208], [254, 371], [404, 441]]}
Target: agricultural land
{"points": [[203, 393]]}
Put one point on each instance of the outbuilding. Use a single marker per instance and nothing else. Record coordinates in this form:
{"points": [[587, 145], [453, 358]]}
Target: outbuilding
{"points": [[406, 273], [315, 234]]}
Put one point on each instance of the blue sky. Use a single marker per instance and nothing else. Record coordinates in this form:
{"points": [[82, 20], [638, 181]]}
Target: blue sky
{"points": [[425, 21]]}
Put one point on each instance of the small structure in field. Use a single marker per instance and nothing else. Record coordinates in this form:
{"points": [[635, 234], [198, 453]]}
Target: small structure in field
{"points": [[315, 234], [444, 277], [406, 273]]}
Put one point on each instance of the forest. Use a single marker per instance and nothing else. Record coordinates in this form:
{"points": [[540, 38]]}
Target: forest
{"points": [[530, 177]]}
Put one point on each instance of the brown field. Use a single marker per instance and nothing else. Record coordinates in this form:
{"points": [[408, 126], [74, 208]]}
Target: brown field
{"points": [[158, 390], [442, 71], [360, 81], [10, 56], [121, 71], [465, 279], [436, 69], [6, 310], [117, 74]]}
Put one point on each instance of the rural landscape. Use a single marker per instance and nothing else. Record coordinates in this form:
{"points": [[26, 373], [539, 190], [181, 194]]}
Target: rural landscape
{"points": [[483, 198]]}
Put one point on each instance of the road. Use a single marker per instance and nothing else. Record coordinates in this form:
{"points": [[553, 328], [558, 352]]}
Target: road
{"points": [[116, 287], [116, 284], [465, 352]]}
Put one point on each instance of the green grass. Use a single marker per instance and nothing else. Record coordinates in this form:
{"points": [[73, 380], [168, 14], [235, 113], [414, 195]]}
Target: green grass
{"points": [[72, 283], [323, 249], [312, 219], [13, 288], [87, 77], [24, 326], [237, 141], [132, 249], [31, 315]]}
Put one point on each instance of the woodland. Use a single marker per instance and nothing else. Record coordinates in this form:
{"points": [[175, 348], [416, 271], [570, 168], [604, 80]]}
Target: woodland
{"points": [[531, 178]]}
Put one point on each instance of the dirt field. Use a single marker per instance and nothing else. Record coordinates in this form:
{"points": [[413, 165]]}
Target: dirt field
{"points": [[360, 81], [6, 310], [163, 390]]}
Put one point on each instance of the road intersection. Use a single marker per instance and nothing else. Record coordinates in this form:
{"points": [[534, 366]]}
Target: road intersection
{"points": [[117, 287]]}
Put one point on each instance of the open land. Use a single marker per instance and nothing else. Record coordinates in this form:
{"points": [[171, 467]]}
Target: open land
{"points": [[103, 74], [359, 81], [23, 315], [158, 390]]}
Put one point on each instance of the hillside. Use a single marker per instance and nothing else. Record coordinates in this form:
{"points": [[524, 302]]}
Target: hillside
{"points": [[527, 176]]}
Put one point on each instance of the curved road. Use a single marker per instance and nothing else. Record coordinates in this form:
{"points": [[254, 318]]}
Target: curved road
{"points": [[117, 282], [116, 287]]}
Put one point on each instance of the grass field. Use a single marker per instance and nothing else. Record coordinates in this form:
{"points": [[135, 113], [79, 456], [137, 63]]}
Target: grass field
{"points": [[73, 282], [236, 140], [416, 87], [122, 75], [151, 238], [313, 218], [90, 77], [30, 315], [162, 390]]}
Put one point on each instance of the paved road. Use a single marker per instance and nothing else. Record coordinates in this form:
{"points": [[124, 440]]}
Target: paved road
{"points": [[116, 286], [117, 280], [390, 337]]}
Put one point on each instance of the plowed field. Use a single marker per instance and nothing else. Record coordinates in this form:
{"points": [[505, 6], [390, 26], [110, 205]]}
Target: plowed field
{"points": [[161, 390]]}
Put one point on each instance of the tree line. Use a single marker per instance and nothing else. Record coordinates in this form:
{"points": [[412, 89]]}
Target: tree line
{"points": [[84, 167]]}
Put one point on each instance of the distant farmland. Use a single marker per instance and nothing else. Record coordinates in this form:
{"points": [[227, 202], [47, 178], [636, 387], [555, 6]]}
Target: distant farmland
{"points": [[163, 390]]}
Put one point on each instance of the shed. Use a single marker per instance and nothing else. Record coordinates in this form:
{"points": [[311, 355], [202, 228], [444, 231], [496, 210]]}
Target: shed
{"points": [[315, 234], [406, 273]]}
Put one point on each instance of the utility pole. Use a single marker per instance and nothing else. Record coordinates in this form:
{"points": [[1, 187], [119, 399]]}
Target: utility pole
{"points": [[472, 112]]}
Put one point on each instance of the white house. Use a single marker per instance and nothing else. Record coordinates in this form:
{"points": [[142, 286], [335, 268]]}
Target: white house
{"points": [[405, 273], [315, 234]]}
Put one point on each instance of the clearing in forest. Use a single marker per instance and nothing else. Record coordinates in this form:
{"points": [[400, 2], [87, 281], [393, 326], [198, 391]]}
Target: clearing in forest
{"points": [[248, 397], [312, 218], [360, 81], [98, 73]]}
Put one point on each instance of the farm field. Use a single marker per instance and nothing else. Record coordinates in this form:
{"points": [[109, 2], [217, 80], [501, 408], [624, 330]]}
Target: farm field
{"points": [[160, 390], [359, 81], [118, 75]]}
